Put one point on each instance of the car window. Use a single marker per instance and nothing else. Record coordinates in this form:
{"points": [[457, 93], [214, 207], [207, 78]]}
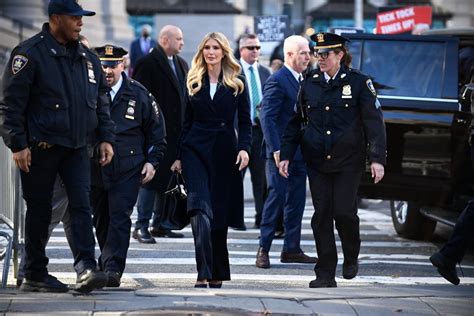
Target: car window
{"points": [[401, 68]]}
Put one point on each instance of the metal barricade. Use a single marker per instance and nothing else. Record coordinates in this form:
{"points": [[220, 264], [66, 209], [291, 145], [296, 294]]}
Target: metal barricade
{"points": [[11, 211]]}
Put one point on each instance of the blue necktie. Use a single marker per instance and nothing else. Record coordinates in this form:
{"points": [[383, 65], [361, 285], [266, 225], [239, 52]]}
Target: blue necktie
{"points": [[255, 96], [173, 67]]}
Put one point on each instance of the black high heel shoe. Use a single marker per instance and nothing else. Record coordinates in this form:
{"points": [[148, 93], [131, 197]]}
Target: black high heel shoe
{"points": [[201, 285], [215, 285]]}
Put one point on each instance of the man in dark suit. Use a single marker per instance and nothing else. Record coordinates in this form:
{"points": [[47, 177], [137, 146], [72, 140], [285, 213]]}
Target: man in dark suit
{"points": [[141, 46], [278, 106], [163, 73], [256, 75]]}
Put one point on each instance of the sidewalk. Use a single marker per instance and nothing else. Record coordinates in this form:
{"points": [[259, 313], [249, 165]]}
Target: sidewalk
{"points": [[344, 300]]}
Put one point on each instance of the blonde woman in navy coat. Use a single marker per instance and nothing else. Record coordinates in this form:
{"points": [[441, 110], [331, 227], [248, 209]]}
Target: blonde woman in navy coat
{"points": [[211, 155]]}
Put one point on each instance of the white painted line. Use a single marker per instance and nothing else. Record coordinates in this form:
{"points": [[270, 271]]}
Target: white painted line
{"points": [[275, 261], [359, 280]]}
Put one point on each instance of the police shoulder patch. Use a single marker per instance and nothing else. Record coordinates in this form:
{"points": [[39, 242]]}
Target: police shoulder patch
{"points": [[371, 87], [18, 63]]}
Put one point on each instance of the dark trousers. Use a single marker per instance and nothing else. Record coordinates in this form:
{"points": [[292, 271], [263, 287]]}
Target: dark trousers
{"points": [[149, 204], [74, 168], [461, 236], [287, 196], [59, 213], [257, 173], [335, 200], [112, 209], [212, 256]]}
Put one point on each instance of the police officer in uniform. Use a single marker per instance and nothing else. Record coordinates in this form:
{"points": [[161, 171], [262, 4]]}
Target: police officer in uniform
{"points": [[339, 121], [54, 98], [140, 146]]}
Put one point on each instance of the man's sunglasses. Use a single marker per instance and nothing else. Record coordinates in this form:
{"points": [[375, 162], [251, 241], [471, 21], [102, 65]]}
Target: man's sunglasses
{"points": [[253, 47]]}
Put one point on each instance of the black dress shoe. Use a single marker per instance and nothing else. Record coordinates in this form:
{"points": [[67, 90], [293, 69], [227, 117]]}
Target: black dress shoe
{"points": [[298, 257], [113, 279], [241, 228], [143, 236], [263, 261], [321, 282], [159, 232], [48, 284], [349, 271], [446, 268], [90, 280]]}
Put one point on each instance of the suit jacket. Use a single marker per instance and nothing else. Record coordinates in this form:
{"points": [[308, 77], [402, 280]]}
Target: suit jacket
{"points": [[277, 108], [155, 73], [136, 51]]}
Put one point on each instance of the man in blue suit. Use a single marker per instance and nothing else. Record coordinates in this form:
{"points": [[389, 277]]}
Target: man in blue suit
{"points": [[287, 195], [141, 46], [255, 75]]}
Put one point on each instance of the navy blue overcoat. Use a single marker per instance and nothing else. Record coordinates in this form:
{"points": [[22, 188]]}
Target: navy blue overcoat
{"points": [[208, 149]]}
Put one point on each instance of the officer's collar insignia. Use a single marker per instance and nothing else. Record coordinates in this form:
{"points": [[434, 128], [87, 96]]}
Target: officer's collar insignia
{"points": [[316, 76], [18, 63], [53, 51], [371, 87], [320, 38], [132, 103], [343, 76], [346, 92]]}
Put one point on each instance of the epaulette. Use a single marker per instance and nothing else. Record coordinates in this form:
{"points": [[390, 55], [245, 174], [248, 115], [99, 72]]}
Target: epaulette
{"points": [[31, 42], [135, 83]]}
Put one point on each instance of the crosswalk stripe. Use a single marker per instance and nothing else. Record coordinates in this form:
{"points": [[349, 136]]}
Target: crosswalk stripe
{"points": [[244, 262], [374, 244], [359, 280]]}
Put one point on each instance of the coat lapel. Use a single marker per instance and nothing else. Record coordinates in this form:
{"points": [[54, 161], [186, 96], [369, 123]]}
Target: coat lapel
{"points": [[162, 60]]}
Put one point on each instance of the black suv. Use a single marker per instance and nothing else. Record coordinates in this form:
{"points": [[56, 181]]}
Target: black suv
{"points": [[428, 177]]}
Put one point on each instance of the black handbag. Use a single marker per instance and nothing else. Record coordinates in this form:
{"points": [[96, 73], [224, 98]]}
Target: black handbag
{"points": [[174, 215]]}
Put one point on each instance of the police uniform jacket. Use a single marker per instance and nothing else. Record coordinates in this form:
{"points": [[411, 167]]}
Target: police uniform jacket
{"points": [[54, 93], [344, 123], [140, 134]]}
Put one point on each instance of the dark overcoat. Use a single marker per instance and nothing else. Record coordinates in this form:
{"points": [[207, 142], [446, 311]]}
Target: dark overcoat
{"points": [[154, 72], [208, 150]]}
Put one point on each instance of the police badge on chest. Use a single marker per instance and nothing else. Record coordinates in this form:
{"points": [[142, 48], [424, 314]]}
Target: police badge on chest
{"points": [[90, 72], [130, 113]]}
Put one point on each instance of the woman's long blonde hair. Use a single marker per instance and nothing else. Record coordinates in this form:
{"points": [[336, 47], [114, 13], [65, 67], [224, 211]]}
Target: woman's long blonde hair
{"points": [[229, 65]]}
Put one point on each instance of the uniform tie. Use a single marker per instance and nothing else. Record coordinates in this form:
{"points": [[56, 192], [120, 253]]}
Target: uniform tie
{"points": [[255, 95]]}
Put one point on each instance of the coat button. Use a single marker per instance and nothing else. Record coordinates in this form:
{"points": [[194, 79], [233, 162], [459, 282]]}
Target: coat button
{"points": [[309, 106], [222, 124], [327, 108], [131, 151], [57, 106], [347, 105], [328, 157], [328, 132]]}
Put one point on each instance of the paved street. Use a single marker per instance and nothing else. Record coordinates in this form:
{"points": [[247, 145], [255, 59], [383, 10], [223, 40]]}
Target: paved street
{"points": [[385, 258], [395, 277]]}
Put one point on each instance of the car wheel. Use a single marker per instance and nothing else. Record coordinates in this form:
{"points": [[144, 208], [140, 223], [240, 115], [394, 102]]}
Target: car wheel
{"points": [[409, 222]]}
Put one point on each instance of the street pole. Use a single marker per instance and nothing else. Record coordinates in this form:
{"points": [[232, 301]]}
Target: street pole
{"points": [[358, 13]]}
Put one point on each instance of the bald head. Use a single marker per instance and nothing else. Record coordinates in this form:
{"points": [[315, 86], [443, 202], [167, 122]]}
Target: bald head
{"points": [[171, 39]]}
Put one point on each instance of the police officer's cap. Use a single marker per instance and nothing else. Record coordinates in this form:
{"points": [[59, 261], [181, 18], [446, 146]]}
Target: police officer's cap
{"points": [[67, 7], [326, 42], [110, 55]]}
